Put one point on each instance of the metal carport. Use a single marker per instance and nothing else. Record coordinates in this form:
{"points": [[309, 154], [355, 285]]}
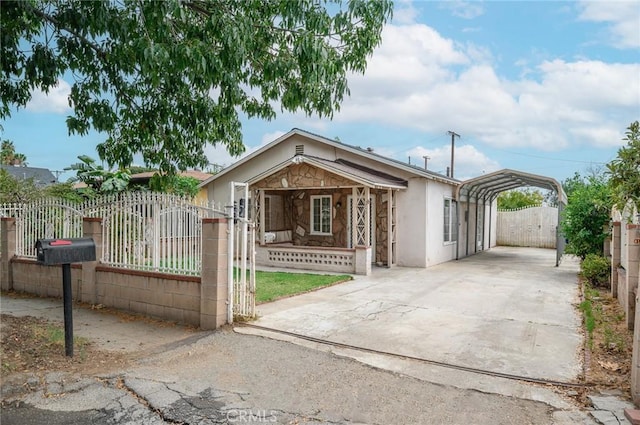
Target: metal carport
{"points": [[487, 188]]}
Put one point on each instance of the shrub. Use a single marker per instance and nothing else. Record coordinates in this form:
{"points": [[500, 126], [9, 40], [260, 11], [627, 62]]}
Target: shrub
{"points": [[596, 270]]}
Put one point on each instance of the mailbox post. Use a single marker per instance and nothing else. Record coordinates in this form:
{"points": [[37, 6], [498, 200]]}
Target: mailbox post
{"points": [[65, 252]]}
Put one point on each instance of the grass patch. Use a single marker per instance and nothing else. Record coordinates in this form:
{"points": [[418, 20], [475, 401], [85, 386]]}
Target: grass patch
{"points": [[273, 285], [53, 336]]}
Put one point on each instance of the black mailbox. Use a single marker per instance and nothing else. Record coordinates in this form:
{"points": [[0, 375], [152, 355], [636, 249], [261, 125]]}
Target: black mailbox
{"points": [[65, 251]]}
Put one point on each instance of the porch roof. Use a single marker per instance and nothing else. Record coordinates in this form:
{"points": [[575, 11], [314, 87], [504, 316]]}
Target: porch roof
{"points": [[348, 170]]}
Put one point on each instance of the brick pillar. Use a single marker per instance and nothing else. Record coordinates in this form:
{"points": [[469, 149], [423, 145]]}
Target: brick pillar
{"points": [[633, 268], [91, 228], [635, 358], [214, 279], [8, 248], [615, 258]]}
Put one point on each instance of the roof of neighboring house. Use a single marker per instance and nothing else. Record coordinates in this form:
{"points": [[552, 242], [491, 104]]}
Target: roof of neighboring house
{"points": [[41, 176], [367, 153], [198, 175], [341, 167]]}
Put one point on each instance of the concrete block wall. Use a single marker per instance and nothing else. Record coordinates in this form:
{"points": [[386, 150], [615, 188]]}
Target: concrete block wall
{"points": [[159, 295], [196, 300], [44, 281]]}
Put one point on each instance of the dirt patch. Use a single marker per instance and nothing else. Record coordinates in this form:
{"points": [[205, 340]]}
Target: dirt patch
{"points": [[33, 345], [610, 349]]}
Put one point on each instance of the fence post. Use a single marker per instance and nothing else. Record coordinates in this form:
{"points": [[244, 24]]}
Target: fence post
{"points": [[91, 228], [214, 291], [615, 258], [635, 356], [633, 268], [8, 245]]}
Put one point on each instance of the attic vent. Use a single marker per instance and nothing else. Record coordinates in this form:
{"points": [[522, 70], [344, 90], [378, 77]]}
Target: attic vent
{"points": [[299, 149]]}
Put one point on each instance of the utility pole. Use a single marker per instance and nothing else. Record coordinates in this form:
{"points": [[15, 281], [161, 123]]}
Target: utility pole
{"points": [[453, 138], [426, 158]]}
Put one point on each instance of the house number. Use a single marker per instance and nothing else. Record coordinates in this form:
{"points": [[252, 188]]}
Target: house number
{"points": [[636, 241]]}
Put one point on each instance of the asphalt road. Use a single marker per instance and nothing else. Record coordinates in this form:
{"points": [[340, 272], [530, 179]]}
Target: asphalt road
{"points": [[227, 377]]}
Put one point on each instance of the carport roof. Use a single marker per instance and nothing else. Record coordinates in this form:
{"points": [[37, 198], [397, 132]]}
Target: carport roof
{"points": [[490, 185]]}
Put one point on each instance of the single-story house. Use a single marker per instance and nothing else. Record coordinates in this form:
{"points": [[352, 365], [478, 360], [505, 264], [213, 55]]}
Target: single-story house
{"points": [[41, 176], [322, 204], [143, 180]]}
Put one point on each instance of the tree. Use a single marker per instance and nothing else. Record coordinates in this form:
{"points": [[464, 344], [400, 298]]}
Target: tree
{"points": [[177, 185], [624, 170], [165, 79], [97, 178], [9, 156], [586, 214], [14, 190], [514, 199]]}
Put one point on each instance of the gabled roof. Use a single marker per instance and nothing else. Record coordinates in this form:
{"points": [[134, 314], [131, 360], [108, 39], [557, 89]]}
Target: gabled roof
{"points": [[41, 176], [354, 172], [418, 171], [490, 185]]}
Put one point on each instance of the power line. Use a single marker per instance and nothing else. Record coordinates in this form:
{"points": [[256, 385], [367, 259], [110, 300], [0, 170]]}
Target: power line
{"points": [[551, 159]]}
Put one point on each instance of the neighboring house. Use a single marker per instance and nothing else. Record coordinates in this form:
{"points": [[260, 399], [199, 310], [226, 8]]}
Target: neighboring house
{"points": [[143, 180], [41, 176], [322, 204]]}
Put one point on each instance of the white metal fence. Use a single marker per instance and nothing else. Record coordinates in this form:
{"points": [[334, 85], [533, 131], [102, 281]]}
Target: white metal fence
{"points": [[140, 230], [530, 226], [148, 231], [153, 231]]}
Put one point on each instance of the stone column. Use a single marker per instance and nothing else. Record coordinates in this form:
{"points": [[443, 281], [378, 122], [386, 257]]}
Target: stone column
{"points": [[615, 257], [91, 228], [633, 268], [8, 249], [214, 292]]}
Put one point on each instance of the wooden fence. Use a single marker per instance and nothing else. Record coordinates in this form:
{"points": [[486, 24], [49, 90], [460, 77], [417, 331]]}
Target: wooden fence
{"points": [[530, 226]]}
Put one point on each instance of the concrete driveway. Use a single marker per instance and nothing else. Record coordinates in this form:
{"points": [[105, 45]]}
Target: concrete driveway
{"points": [[506, 310]]}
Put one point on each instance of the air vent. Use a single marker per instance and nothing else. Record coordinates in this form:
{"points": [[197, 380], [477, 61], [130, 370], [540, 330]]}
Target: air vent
{"points": [[299, 149]]}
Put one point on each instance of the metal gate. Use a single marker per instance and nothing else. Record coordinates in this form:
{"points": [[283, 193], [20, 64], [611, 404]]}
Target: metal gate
{"points": [[242, 254]]}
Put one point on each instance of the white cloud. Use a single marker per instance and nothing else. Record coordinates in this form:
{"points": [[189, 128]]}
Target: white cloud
{"points": [[623, 17], [421, 80], [464, 9], [56, 101], [219, 155], [468, 161], [270, 137], [404, 12]]}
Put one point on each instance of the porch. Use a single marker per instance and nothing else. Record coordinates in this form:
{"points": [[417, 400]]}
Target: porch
{"points": [[312, 213]]}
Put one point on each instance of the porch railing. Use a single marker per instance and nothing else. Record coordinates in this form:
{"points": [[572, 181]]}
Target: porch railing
{"points": [[341, 260]]}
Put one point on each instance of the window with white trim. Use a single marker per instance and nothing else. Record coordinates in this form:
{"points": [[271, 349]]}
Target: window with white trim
{"points": [[450, 225], [321, 215]]}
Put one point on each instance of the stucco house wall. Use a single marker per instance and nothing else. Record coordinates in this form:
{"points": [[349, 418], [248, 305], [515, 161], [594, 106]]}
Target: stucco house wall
{"points": [[419, 207]]}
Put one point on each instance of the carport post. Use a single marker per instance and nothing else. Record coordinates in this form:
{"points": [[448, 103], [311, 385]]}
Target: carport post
{"points": [[458, 204], [68, 311]]}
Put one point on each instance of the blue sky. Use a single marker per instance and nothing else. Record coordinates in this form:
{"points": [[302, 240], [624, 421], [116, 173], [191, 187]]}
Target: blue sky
{"points": [[544, 87]]}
